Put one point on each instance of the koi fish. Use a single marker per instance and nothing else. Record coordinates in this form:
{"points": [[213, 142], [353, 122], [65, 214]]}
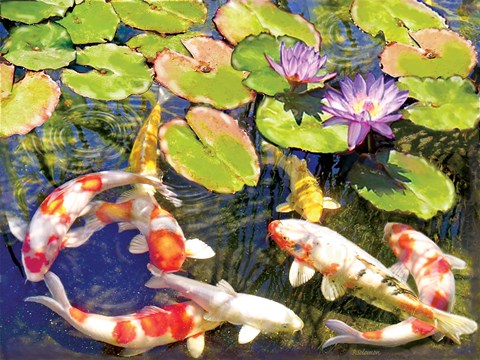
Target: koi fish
{"points": [[46, 234], [223, 303], [138, 332], [344, 268], [430, 268], [160, 234], [306, 196]]}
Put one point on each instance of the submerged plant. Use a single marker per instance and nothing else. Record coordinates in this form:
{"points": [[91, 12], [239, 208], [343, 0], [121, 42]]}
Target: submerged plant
{"points": [[300, 64], [363, 106]]}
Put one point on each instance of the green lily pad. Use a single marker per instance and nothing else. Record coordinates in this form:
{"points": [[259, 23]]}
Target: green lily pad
{"points": [[149, 44], [211, 150], [442, 53], [93, 21], [238, 19], [29, 103], [206, 77], [280, 127], [394, 18], [163, 16], [32, 12], [118, 72], [444, 104], [37, 47], [394, 181]]}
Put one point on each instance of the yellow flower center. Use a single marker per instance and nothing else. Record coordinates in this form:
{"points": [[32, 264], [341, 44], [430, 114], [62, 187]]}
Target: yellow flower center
{"points": [[367, 105]]}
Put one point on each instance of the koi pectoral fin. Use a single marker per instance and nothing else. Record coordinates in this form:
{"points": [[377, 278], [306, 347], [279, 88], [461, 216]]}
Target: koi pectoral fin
{"points": [[133, 352], [197, 249], [455, 262], [330, 204], [331, 289], [300, 273], [18, 226], [247, 334], [195, 345], [284, 208], [138, 245]]}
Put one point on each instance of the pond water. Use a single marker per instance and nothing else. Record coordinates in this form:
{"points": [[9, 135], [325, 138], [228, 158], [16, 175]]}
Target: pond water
{"points": [[102, 277]]}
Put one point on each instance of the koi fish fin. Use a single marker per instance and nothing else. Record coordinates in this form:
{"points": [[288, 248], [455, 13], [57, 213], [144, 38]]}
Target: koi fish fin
{"points": [[438, 336], [347, 334], [332, 290], [330, 204], [157, 281], [400, 271], [300, 273], [226, 287], [130, 195], [138, 245], [285, 207], [196, 344], [213, 317], [76, 237], [122, 226], [455, 263], [92, 222], [151, 310], [247, 334], [133, 352], [58, 302], [272, 155], [197, 249], [167, 193], [18, 226], [453, 325]]}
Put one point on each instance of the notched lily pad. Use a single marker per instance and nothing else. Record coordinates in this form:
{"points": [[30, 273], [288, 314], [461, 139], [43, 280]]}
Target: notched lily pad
{"points": [[118, 72], [277, 122], [206, 77], [33, 11], [442, 53], [443, 104], [37, 47], [163, 16], [93, 21], [211, 150], [29, 103], [238, 19], [149, 44], [394, 181], [394, 18]]}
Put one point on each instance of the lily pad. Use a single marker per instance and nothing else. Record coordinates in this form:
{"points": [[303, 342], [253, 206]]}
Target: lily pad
{"points": [[280, 127], [37, 47], [93, 21], [394, 18], [29, 103], [207, 77], [238, 19], [211, 150], [118, 72], [442, 53], [149, 44], [444, 104], [163, 16], [394, 181], [34, 11]]}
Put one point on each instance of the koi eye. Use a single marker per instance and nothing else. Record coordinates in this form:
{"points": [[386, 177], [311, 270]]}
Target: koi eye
{"points": [[285, 326], [297, 247]]}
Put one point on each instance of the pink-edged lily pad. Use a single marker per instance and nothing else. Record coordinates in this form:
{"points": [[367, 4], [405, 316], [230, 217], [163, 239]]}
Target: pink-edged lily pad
{"points": [[238, 19], [441, 53], [210, 149], [28, 103], [206, 77]]}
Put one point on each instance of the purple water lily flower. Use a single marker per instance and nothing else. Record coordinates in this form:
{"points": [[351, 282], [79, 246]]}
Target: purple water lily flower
{"points": [[364, 105], [299, 64]]}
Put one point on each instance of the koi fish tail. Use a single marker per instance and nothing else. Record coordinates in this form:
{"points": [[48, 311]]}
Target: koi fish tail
{"points": [[158, 280], [166, 192], [272, 155], [453, 325], [58, 302], [348, 335]]}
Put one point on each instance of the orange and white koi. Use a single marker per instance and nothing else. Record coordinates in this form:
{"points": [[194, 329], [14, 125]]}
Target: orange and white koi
{"points": [[47, 233], [223, 303], [430, 268], [160, 234], [344, 268], [138, 332]]}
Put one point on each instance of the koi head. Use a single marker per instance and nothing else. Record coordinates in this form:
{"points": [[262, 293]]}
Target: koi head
{"points": [[37, 263], [167, 250], [398, 239]]}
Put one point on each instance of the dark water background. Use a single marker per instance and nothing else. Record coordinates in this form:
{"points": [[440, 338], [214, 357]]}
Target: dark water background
{"points": [[103, 277]]}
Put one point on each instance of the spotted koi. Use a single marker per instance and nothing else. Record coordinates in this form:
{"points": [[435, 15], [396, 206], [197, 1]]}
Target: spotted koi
{"points": [[138, 332], [318, 248]]}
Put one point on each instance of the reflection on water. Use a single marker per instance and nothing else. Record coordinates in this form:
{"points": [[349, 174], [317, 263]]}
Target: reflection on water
{"points": [[102, 276]]}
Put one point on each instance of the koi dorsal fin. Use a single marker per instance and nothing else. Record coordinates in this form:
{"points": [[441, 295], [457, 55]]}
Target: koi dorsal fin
{"points": [[213, 317], [400, 271], [455, 263], [300, 273], [226, 287], [151, 310], [247, 334], [196, 344], [332, 290]]}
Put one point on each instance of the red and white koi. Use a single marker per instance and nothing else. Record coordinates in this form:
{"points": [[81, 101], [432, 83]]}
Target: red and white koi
{"points": [[345, 268], [223, 303], [160, 234], [430, 268], [46, 234], [138, 332]]}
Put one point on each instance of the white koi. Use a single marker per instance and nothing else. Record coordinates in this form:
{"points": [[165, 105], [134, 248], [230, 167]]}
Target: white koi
{"points": [[223, 303], [344, 268], [138, 332]]}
